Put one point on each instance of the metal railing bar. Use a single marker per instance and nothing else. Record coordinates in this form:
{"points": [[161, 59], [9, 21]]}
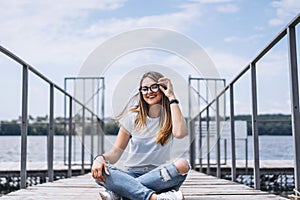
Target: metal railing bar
{"points": [[33, 70], [12, 56], [198, 94], [294, 92], [218, 129], [258, 57], [277, 38], [50, 135], [255, 127], [232, 135], [290, 31], [24, 128], [206, 79], [200, 143], [270, 46], [92, 142], [70, 138], [82, 141], [294, 21], [192, 142], [208, 142], [76, 78], [238, 76]]}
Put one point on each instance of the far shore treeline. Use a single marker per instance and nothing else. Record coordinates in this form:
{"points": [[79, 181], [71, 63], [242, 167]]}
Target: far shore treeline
{"points": [[268, 124]]}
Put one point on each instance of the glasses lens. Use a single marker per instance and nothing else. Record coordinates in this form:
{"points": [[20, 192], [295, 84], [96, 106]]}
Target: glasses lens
{"points": [[144, 90], [154, 87]]}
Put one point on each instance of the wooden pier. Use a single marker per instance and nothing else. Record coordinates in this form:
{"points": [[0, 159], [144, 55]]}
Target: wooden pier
{"points": [[8, 169], [265, 167], [197, 186]]}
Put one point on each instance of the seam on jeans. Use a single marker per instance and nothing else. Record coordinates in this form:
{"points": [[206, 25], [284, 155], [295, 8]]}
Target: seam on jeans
{"points": [[165, 175]]}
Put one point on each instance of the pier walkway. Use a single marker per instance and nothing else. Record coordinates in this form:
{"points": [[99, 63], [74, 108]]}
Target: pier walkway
{"points": [[197, 186]]}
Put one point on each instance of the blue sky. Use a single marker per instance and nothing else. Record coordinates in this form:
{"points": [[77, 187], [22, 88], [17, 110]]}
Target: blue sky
{"points": [[56, 37]]}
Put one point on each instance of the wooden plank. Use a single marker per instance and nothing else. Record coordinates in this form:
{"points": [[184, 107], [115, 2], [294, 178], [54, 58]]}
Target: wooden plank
{"points": [[81, 187], [197, 186], [200, 186]]}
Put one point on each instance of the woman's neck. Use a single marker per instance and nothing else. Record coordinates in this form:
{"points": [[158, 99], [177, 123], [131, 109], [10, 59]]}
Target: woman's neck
{"points": [[154, 110]]}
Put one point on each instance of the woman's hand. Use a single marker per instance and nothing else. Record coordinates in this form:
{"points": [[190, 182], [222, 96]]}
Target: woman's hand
{"points": [[99, 165], [169, 92]]}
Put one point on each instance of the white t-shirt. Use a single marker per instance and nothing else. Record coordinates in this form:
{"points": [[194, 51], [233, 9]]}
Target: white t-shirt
{"points": [[142, 149]]}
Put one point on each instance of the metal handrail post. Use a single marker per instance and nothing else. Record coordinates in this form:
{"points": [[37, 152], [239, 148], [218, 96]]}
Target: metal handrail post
{"points": [[255, 127], [218, 139], [99, 136], [192, 143], [191, 137], [207, 141], [97, 122], [225, 151], [92, 140], [70, 138], [246, 156], [82, 140], [92, 124], [293, 71], [65, 123], [200, 144], [232, 135], [24, 128], [50, 135], [103, 114]]}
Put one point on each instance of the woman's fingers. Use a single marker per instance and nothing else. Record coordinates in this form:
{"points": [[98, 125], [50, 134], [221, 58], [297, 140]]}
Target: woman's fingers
{"points": [[97, 171], [106, 169]]}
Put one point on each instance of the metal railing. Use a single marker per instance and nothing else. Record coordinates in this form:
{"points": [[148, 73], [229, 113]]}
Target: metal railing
{"points": [[290, 32], [70, 130], [99, 82]]}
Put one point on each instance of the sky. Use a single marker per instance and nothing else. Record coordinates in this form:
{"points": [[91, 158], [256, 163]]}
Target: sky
{"points": [[58, 37]]}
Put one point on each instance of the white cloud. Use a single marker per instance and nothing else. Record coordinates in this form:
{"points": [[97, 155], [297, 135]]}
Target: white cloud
{"points": [[259, 28], [224, 6], [49, 35], [242, 39], [211, 1], [33, 27], [228, 8], [233, 63], [285, 11], [57, 38], [178, 21], [276, 22]]}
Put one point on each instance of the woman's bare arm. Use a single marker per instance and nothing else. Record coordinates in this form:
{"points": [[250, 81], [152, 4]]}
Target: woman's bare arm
{"points": [[112, 156]]}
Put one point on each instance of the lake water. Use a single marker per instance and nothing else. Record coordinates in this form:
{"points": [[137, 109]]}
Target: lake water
{"points": [[271, 148]]}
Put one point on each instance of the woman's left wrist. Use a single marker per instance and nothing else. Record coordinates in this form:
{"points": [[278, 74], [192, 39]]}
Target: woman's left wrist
{"points": [[171, 97]]}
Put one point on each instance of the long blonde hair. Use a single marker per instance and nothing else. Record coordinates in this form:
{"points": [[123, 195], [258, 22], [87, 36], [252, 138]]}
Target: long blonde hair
{"points": [[142, 110]]}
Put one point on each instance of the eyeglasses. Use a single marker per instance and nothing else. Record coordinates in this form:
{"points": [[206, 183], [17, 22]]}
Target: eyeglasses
{"points": [[153, 88]]}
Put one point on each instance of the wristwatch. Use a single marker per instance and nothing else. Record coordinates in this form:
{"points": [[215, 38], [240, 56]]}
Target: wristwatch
{"points": [[174, 101]]}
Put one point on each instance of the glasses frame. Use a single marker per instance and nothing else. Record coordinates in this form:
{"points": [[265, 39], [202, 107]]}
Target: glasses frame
{"points": [[151, 89]]}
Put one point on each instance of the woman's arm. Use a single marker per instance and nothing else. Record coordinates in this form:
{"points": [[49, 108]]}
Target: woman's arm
{"points": [[179, 129], [120, 144], [112, 156]]}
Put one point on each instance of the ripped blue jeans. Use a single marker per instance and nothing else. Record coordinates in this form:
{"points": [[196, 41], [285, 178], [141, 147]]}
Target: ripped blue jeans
{"points": [[141, 182]]}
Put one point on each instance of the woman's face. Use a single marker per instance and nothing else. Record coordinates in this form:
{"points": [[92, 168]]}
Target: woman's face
{"points": [[151, 97]]}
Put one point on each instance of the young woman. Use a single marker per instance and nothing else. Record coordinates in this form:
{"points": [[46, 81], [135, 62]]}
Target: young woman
{"points": [[149, 129]]}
